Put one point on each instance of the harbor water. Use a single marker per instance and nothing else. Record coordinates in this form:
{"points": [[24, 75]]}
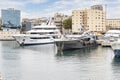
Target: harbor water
{"points": [[42, 63]]}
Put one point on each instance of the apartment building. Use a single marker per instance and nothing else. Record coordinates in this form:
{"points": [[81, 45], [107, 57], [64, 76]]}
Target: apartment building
{"points": [[38, 21], [97, 7], [96, 20], [90, 19], [79, 20], [58, 18], [113, 24]]}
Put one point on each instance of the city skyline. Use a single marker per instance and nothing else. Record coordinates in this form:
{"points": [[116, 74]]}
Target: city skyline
{"points": [[47, 8]]}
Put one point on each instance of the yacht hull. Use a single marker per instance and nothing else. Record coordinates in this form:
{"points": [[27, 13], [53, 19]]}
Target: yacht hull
{"points": [[74, 44], [27, 41]]}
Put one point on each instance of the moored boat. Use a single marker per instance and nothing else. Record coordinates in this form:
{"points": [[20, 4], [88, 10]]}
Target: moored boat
{"points": [[76, 41], [31, 39], [110, 37], [42, 34], [116, 48]]}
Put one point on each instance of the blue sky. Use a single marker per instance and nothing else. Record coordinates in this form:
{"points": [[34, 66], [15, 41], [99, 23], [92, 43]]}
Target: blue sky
{"points": [[46, 8]]}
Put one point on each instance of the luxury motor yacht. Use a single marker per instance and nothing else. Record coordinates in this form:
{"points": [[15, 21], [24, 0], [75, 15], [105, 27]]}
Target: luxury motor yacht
{"points": [[32, 39], [42, 34], [76, 41]]}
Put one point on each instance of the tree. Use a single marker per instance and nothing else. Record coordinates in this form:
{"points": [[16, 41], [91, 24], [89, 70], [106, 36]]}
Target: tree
{"points": [[67, 23]]}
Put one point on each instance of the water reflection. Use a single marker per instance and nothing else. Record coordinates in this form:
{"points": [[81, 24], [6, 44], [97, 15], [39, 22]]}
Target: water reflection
{"points": [[41, 48], [42, 63], [116, 68], [79, 53], [90, 63], [10, 61], [21, 63]]}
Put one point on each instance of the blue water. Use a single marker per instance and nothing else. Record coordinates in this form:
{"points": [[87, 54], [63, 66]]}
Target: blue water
{"points": [[43, 63]]}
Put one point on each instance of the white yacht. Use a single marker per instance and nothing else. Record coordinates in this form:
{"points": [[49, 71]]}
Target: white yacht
{"points": [[49, 30], [110, 37], [32, 39], [43, 34]]}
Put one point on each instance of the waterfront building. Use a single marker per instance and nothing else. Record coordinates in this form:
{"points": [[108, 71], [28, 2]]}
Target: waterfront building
{"points": [[10, 21], [38, 21], [10, 18], [27, 25], [7, 35], [113, 24], [97, 7], [43, 19], [58, 19], [90, 19]]}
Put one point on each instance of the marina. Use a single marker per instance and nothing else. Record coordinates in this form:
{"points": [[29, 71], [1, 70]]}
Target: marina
{"points": [[60, 40], [42, 62]]}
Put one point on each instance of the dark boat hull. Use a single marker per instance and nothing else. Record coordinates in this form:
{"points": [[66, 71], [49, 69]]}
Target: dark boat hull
{"points": [[75, 44], [117, 52]]}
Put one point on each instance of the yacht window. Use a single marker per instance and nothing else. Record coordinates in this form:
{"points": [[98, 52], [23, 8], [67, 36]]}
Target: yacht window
{"points": [[39, 38], [33, 33], [45, 28]]}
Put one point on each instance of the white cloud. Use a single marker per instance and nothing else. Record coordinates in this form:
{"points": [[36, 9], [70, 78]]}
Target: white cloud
{"points": [[64, 6], [25, 14], [19, 4], [37, 1], [10, 4], [113, 12]]}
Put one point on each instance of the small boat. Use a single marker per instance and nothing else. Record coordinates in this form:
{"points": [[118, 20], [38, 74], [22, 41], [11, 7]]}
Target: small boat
{"points": [[110, 37], [107, 41], [116, 48]]}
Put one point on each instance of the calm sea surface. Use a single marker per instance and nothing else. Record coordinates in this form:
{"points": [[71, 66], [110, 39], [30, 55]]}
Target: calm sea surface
{"points": [[42, 63]]}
